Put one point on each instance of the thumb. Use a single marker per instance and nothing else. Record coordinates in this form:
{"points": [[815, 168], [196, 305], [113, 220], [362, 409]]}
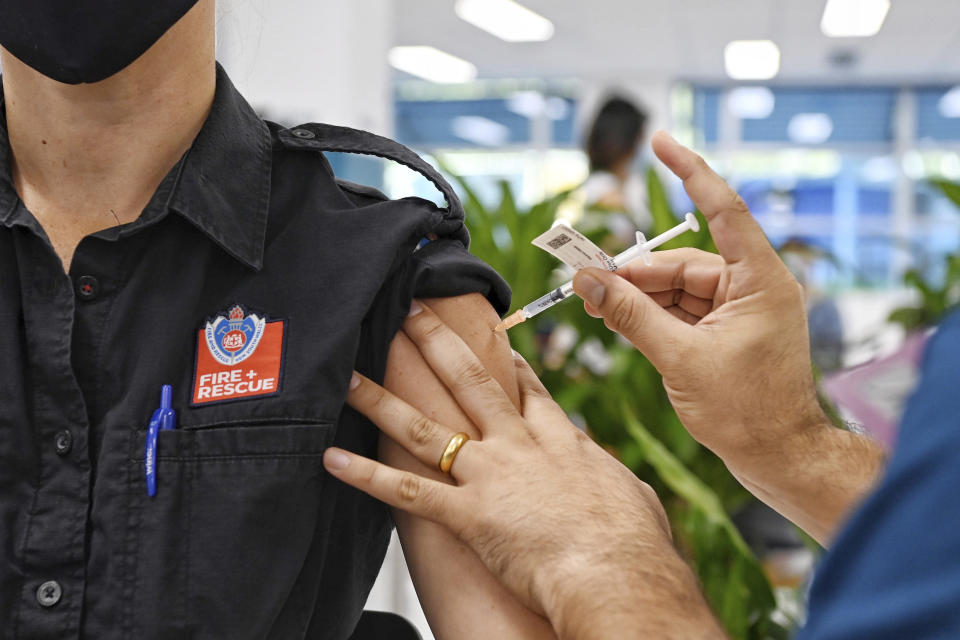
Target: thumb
{"points": [[734, 229], [633, 314]]}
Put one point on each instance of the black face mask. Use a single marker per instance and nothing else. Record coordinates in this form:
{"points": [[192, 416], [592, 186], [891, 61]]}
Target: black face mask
{"points": [[76, 41]]}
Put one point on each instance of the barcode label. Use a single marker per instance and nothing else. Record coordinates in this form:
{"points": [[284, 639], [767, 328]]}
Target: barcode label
{"points": [[573, 248]]}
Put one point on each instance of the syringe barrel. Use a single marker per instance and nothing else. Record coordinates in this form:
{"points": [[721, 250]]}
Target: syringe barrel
{"points": [[628, 255], [544, 302]]}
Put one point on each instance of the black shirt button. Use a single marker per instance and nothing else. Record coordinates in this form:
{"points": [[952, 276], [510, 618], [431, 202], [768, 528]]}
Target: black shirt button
{"points": [[304, 133], [87, 287], [48, 594], [63, 442]]}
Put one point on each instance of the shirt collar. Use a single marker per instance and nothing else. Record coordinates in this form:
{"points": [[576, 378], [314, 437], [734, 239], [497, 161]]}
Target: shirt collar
{"points": [[8, 195], [223, 182], [224, 186]]}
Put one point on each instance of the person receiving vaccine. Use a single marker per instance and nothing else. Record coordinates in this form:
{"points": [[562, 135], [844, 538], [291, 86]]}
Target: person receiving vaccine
{"points": [[161, 245]]}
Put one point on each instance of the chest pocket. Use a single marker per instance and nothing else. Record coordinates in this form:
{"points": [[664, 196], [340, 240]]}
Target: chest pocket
{"points": [[218, 551]]}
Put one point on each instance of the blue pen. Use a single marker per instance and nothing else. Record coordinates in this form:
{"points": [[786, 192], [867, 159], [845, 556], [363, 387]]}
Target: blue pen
{"points": [[163, 418]]}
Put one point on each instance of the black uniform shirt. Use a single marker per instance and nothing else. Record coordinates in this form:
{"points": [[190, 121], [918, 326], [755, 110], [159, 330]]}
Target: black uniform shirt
{"points": [[253, 283]]}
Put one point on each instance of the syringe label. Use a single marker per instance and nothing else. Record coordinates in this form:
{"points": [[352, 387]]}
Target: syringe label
{"points": [[573, 248]]}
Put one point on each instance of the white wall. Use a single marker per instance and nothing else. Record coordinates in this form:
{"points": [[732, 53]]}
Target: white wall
{"points": [[311, 60], [393, 590], [320, 61]]}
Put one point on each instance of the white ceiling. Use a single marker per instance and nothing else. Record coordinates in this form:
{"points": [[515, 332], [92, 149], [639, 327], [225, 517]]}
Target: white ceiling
{"points": [[684, 39]]}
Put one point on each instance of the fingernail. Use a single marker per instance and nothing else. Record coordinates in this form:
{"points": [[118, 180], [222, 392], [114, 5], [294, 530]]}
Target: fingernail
{"points": [[591, 289], [335, 460], [354, 381], [667, 135], [415, 308]]}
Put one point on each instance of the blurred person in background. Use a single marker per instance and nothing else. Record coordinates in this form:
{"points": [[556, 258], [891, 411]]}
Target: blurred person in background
{"points": [[615, 195], [576, 534], [154, 230], [609, 207], [823, 314]]}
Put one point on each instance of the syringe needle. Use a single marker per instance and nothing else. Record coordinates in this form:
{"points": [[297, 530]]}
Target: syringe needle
{"points": [[640, 250], [511, 320]]}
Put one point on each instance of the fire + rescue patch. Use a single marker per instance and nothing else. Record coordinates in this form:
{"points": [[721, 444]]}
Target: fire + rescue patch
{"points": [[239, 355]]}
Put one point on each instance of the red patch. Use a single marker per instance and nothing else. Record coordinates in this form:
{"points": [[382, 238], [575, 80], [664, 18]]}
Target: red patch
{"points": [[220, 375]]}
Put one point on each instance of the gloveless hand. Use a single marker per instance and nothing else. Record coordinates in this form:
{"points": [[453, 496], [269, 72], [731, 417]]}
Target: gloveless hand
{"points": [[729, 335], [571, 531], [728, 332]]}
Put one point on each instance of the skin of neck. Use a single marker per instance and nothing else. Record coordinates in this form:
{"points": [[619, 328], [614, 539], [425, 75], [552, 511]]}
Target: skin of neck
{"points": [[622, 168], [85, 157]]}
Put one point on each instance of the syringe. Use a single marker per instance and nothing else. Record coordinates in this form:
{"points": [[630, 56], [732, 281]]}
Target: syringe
{"points": [[640, 250]]}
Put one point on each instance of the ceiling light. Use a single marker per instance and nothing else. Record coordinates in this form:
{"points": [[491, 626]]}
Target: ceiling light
{"points": [[751, 103], [950, 166], [949, 104], [913, 165], [431, 64], [529, 104], [505, 19], [810, 128], [853, 18], [481, 131], [879, 169], [557, 108], [533, 104], [752, 59]]}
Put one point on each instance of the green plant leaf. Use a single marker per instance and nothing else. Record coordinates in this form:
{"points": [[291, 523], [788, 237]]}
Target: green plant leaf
{"points": [[739, 591], [734, 615], [935, 302], [950, 189], [680, 480], [507, 213], [910, 318], [660, 210], [953, 270]]}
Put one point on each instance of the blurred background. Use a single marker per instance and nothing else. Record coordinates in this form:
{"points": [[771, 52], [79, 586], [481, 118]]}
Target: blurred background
{"points": [[838, 121]]}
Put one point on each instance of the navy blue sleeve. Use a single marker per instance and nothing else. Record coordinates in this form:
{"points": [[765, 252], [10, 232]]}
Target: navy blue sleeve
{"points": [[894, 572]]}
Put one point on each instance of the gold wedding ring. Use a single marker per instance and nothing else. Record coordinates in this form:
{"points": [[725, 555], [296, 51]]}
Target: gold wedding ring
{"points": [[451, 451]]}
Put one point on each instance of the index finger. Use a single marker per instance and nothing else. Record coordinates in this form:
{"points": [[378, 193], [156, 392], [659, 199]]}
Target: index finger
{"points": [[734, 230], [692, 270], [477, 392]]}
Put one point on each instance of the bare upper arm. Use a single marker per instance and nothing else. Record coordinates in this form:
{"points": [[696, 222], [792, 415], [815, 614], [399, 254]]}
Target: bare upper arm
{"points": [[459, 595], [472, 317]]}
